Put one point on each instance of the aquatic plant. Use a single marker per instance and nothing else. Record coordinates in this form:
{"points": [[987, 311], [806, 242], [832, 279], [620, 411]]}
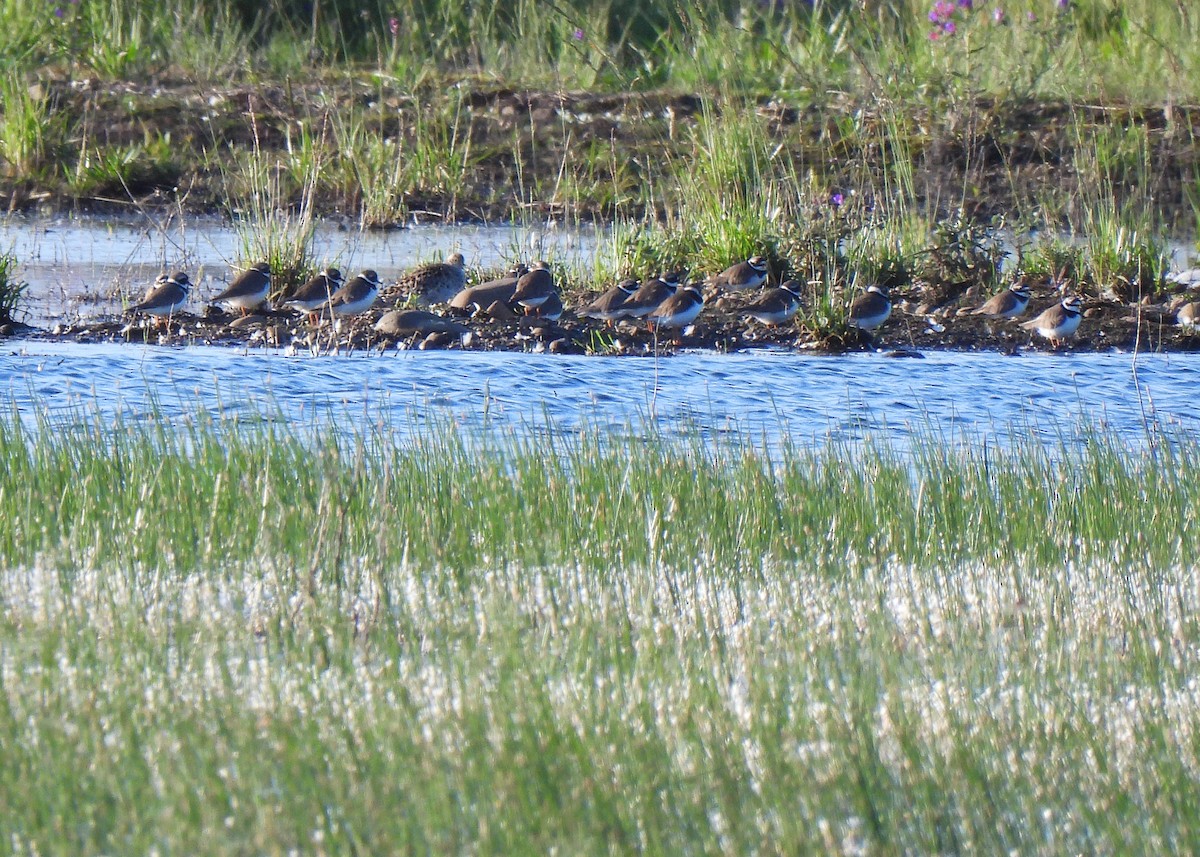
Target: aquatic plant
{"points": [[12, 288], [491, 644], [24, 126], [272, 202]]}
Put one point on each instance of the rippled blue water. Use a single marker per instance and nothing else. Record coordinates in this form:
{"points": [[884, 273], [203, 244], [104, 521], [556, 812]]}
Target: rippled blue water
{"points": [[765, 396]]}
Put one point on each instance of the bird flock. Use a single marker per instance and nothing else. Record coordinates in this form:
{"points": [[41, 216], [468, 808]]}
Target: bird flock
{"points": [[662, 302]]}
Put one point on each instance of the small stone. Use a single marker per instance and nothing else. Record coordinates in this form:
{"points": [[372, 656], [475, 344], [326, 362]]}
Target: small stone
{"points": [[437, 339], [1093, 312], [246, 321]]}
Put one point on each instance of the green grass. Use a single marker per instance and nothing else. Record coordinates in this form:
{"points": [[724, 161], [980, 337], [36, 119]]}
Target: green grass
{"points": [[224, 638], [1138, 49], [12, 288]]}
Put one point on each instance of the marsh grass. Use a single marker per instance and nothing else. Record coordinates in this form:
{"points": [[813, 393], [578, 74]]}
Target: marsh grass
{"points": [[25, 129], [261, 640], [272, 201], [12, 288]]}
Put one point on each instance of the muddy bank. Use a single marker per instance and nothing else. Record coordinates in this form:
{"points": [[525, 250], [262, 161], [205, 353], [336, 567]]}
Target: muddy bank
{"points": [[1106, 326], [172, 144]]}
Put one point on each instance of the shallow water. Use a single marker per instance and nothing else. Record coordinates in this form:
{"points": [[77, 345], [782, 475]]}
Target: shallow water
{"points": [[762, 396], [82, 268]]}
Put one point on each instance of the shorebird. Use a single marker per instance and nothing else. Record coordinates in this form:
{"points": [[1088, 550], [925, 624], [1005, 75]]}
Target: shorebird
{"points": [[1188, 315], [168, 295], [248, 290], [356, 296], [551, 308], [312, 297], [650, 295], [1009, 303], [776, 305], [1058, 322], [485, 294], [432, 284], [744, 275], [871, 309], [610, 306], [535, 287], [679, 310]]}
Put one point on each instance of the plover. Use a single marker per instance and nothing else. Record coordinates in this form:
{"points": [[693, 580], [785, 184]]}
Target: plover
{"points": [[535, 287], [358, 295], [1009, 303], [776, 305], [871, 309], [679, 310], [247, 291], [610, 306], [313, 296], [168, 295], [1058, 322], [650, 295], [744, 275]]}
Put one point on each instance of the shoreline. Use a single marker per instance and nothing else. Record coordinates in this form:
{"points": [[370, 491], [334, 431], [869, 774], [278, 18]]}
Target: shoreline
{"points": [[1107, 326]]}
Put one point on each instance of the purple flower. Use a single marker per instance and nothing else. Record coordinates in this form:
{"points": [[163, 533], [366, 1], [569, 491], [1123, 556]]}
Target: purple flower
{"points": [[998, 15], [577, 35], [949, 28], [394, 25], [836, 200], [966, 4], [1029, 16], [1064, 4], [58, 11]]}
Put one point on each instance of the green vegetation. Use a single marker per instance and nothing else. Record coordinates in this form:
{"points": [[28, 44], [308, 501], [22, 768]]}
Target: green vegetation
{"points": [[707, 132], [1138, 50], [11, 287], [229, 638]]}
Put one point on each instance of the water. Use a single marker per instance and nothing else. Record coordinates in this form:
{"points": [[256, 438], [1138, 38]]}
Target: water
{"points": [[762, 396], [81, 268]]}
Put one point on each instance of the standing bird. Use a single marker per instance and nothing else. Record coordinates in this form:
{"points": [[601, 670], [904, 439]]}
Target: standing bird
{"points": [[776, 305], [1058, 322], [650, 295], [312, 297], [679, 310], [168, 295], [610, 306], [356, 296], [432, 284], [1009, 303], [871, 309], [535, 287], [247, 291], [744, 275]]}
